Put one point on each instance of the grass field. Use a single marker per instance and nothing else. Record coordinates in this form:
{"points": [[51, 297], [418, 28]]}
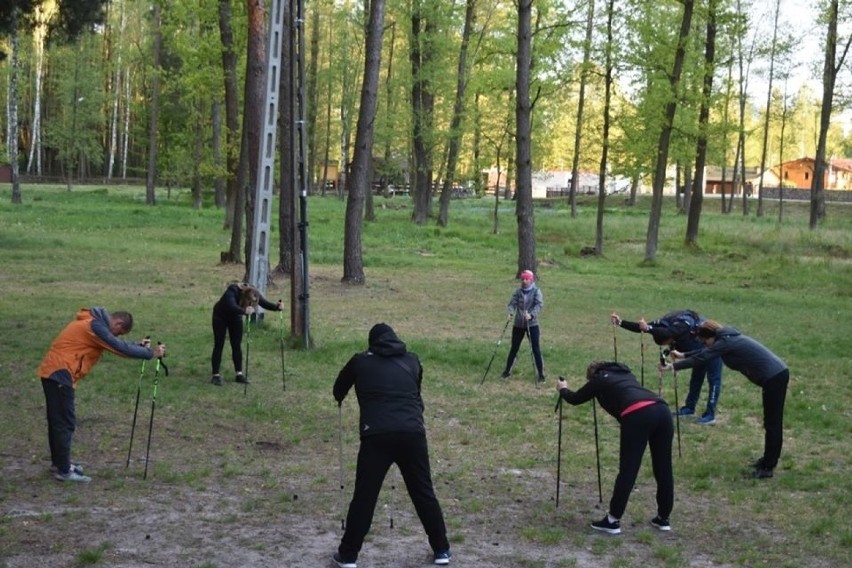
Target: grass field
{"points": [[245, 481]]}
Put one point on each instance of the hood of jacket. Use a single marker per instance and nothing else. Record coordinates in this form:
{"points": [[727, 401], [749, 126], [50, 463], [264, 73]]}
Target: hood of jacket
{"points": [[384, 341]]}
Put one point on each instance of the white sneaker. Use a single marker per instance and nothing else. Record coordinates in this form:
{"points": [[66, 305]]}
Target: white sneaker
{"points": [[74, 467], [72, 476]]}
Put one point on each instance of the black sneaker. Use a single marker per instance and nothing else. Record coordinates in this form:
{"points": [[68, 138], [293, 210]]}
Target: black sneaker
{"points": [[216, 380], [757, 464], [761, 473], [442, 558], [541, 378], [505, 375], [341, 563], [606, 526], [242, 379], [661, 524]]}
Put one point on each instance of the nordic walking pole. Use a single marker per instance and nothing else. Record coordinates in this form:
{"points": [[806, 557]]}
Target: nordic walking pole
{"points": [[532, 352], [392, 495], [496, 347], [153, 406], [677, 414], [642, 353], [677, 402], [281, 328], [248, 350], [135, 411], [559, 448], [660, 375], [614, 343], [597, 450], [340, 460]]}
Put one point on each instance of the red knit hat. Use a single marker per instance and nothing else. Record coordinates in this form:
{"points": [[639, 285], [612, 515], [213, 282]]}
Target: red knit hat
{"points": [[527, 275]]}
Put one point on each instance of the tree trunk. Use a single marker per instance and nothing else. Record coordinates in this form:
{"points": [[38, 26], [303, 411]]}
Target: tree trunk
{"points": [[423, 103], [39, 34], [220, 181], [665, 136], [829, 76], [13, 112], [581, 102], [765, 148], [232, 124], [696, 199], [154, 108], [523, 144], [605, 134], [197, 151], [458, 111], [254, 100], [288, 229], [358, 181], [313, 93]]}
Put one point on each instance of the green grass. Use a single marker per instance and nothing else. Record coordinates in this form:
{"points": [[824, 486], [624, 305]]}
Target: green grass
{"points": [[224, 464]]}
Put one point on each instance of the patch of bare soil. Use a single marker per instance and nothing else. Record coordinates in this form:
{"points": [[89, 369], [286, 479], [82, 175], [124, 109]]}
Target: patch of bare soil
{"points": [[248, 522]]}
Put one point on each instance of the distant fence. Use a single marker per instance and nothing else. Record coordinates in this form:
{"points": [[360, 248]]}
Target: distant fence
{"points": [[840, 196]]}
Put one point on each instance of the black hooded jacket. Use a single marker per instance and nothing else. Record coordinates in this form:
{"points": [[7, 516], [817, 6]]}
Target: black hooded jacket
{"points": [[387, 383], [615, 388]]}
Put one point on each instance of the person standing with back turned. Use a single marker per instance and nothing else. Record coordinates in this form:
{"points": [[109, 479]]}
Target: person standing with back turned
{"points": [[387, 379], [524, 306]]}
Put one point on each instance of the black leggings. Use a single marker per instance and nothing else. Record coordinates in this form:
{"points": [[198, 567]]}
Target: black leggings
{"points": [[518, 334], [234, 328], [774, 395], [650, 426]]}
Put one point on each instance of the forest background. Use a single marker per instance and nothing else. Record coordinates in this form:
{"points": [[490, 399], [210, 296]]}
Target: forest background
{"points": [[421, 95]]}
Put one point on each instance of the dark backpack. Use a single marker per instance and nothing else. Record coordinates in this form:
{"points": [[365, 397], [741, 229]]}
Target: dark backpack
{"points": [[681, 322]]}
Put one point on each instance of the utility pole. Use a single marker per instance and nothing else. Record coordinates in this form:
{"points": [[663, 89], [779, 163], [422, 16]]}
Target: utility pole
{"points": [[259, 262], [300, 159]]}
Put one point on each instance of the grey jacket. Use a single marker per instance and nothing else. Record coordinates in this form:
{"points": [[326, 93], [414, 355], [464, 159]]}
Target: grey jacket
{"points": [[740, 353], [526, 300]]}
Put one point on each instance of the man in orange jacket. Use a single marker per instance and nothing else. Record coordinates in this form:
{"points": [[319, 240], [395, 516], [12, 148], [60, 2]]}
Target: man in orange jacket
{"points": [[71, 356]]}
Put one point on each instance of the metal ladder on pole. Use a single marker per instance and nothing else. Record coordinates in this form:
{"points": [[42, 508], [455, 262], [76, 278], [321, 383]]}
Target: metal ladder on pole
{"points": [[259, 262]]}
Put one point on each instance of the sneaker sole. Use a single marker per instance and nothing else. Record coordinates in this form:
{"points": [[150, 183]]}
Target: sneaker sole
{"points": [[608, 531], [75, 479], [664, 528]]}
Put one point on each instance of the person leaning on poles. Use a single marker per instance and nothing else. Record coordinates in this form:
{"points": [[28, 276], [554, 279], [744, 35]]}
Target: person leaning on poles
{"points": [[760, 366], [71, 356]]}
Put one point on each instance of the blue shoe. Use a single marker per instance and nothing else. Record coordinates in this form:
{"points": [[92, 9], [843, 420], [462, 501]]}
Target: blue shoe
{"points": [[685, 411], [442, 558], [707, 418]]}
